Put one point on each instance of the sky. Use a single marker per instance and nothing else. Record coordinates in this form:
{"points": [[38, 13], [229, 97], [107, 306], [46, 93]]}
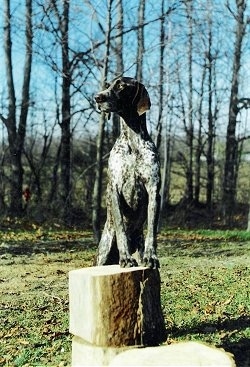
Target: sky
{"points": [[84, 32]]}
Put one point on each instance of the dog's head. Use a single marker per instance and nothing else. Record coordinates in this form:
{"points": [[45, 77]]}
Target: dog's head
{"points": [[124, 94]]}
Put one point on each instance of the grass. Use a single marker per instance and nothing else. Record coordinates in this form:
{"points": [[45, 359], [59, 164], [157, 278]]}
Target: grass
{"points": [[205, 291]]}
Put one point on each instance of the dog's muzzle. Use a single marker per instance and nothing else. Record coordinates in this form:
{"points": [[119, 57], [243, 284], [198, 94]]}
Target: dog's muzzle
{"points": [[105, 103], [100, 98]]}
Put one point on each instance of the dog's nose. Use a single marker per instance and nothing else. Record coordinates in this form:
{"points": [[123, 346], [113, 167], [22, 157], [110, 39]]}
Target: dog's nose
{"points": [[100, 98]]}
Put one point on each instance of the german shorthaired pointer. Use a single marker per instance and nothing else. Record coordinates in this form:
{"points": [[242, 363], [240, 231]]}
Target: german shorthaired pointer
{"points": [[133, 179]]}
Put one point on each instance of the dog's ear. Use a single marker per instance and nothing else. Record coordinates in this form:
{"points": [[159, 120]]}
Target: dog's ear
{"points": [[144, 103]]}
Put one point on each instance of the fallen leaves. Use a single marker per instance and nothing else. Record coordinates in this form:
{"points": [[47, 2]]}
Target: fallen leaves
{"points": [[34, 329], [205, 294], [39, 233]]}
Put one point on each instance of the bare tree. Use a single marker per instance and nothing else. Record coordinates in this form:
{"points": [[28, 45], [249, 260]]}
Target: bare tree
{"points": [[190, 124], [164, 126], [97, 192], [66, 62], [65, 124], [231, 154], [161, 75], [17, 131], [211, 118], [199, 140], [119, 61], [208, 85], [2, 176], [140, 37], [66, 111], [36, 152]]}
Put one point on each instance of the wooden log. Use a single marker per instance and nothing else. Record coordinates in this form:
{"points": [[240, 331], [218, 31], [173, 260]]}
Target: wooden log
{"points": [[116, 307]]}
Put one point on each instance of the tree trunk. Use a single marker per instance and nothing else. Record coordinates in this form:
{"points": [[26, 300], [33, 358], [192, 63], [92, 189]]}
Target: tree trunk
{"points": [[16, 136], [119, 64], [2, 184], [211, 125], [166, 175], [140, 38], [161, 76], [190, 128], [16, 167], [54, 184], [199, 146], [248, 221], [66, 115], [97, 192], [164, 132], [229, 184], [54, 178]]}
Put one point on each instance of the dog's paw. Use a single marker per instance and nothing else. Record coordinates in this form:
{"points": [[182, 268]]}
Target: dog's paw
{"points": [[151, 262], [127, 262]]}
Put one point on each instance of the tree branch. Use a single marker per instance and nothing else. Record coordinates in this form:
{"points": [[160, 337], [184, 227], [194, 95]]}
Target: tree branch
{"points": [[243, 103], [4, 120]]}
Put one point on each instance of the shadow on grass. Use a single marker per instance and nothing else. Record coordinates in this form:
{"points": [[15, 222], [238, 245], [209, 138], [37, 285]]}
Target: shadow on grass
{"points": [[43, 247], [240, 348], [240, 351], [209, 248]]}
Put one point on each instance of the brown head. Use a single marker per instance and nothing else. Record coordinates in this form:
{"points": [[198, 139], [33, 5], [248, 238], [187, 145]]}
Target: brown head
{"points": [[125, 96]]}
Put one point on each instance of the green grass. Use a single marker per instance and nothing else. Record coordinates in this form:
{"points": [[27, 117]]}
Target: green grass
{"points": [[209, 234], [205, 291], [238, 235]]}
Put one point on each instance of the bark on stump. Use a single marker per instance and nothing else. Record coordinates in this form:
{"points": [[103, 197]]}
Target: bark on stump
{"points": [[116, 307]]}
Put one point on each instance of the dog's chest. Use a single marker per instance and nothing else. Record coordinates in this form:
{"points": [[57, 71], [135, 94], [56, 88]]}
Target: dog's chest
{"points": [[124, 171], [123, 163], [136, 158]]}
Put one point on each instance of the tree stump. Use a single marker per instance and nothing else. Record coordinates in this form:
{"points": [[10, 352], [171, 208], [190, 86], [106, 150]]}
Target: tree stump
{"points": [[116, 307]]}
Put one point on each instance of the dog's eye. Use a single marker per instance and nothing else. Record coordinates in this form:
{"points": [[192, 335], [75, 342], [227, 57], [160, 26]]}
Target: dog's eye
{"points": [[119, 85]]}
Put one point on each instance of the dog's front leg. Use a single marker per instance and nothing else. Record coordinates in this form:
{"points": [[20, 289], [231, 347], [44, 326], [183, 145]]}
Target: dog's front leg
{"points": [[126, 260], [150, 258]]}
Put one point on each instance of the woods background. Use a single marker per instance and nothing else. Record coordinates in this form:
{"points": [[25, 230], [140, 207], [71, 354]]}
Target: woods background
{"points": [[192, 56]]}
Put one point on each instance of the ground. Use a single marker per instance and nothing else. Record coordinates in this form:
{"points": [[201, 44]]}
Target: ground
{"points": [[205, 279]]}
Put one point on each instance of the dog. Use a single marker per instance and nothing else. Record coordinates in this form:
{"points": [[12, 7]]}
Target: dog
{"points": [[133, 179]]}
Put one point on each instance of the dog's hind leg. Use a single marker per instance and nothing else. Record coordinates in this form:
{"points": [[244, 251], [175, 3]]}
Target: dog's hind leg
{"points": [[107, 250], [126, 259], [107, 253]]}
